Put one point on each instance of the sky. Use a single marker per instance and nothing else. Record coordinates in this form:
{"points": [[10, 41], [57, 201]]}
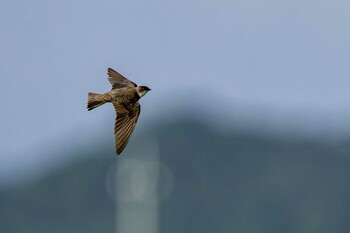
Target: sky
{"points": [[283, 63]]}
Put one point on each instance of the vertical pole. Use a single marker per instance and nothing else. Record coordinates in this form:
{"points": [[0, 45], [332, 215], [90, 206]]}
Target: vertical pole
{"points": [[137, 182]]}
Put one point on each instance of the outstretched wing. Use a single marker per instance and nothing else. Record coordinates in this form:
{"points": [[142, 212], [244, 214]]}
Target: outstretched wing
{"points": [[118, 81], [125, 123]]}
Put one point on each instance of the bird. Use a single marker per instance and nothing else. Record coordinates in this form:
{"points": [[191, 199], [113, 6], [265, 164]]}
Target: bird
{"points": [[124, 96]]}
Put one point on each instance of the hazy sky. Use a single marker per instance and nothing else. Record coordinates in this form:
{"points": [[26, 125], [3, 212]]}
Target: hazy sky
{"points": [[288, 61]]}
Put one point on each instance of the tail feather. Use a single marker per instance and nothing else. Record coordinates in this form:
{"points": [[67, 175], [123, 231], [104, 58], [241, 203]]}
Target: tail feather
{"points": [[93, 102]]}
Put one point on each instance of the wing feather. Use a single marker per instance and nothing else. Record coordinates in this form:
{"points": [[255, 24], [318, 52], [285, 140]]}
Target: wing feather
{"points": [[125, 123], [117, 80]]}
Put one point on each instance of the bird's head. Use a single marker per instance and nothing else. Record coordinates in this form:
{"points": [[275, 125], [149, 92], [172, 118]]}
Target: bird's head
{"points": [[142, 90]]}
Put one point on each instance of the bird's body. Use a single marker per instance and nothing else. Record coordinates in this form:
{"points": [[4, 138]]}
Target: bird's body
{"points": [[124, 96], [120, 95]]}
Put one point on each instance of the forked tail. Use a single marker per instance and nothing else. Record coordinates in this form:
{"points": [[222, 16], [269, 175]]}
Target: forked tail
{"points": [[93, 102]]}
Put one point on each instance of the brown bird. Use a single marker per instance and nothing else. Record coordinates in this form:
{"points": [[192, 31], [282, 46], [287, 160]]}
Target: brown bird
{"points": [[124, 96]]}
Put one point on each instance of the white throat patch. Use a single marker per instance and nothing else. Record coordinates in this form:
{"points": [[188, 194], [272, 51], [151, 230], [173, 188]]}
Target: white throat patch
{"points": [[142, 93]]}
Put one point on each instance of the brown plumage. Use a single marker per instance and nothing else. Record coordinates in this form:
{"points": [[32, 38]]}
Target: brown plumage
{"points": [[124, 96]]}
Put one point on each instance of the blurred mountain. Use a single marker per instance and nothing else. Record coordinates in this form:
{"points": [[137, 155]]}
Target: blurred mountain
{"points": [[224, 181]]}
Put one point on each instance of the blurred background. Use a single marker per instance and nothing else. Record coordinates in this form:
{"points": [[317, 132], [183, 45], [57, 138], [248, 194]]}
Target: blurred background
{"points": [[246, 128]]}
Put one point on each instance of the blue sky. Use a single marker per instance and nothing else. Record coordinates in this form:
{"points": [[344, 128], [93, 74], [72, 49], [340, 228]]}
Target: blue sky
{"points": [[283, 62]]}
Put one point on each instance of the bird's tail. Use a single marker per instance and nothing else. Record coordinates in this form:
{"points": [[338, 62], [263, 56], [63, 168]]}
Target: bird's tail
{"points": [[94, 102]]}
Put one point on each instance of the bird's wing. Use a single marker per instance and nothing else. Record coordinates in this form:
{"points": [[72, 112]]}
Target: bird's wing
{"points": [[127, 116], [118, 81]]}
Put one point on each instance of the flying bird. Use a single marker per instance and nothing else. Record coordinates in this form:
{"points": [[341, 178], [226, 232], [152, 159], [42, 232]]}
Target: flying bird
{"points": [[124, 96]]}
